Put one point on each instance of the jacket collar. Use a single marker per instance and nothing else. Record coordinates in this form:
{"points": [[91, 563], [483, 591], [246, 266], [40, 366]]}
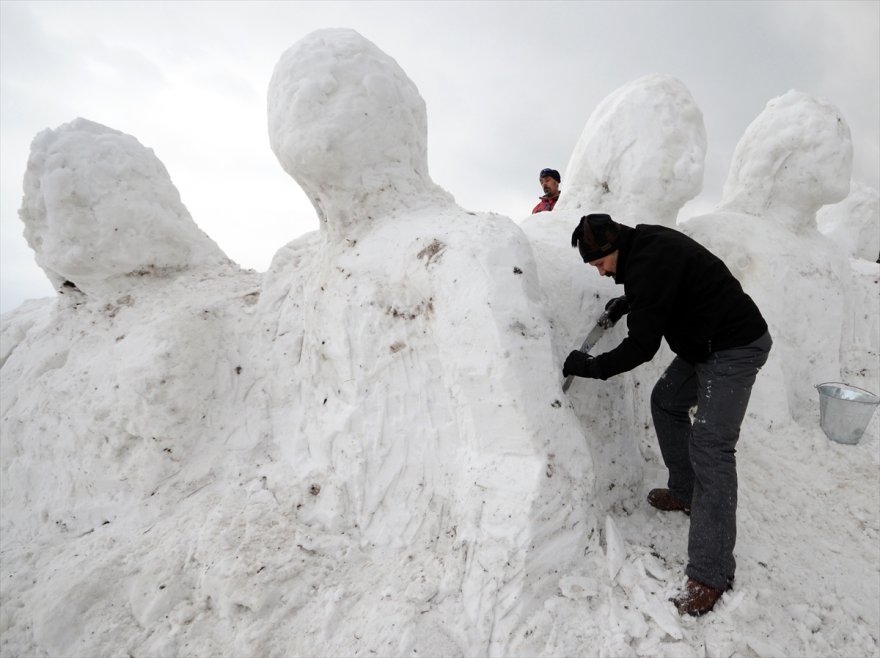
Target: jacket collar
{"points": [[625, 241]]}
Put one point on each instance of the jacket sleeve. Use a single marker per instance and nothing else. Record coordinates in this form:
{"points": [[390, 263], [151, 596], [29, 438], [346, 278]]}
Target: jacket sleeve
{"points": [[653, 284]]}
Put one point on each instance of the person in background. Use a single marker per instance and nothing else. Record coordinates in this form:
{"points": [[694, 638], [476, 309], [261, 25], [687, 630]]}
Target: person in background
{"points": [[674, 288], [549, 181]]}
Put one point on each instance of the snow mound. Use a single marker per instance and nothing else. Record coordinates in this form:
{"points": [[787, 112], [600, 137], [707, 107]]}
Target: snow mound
{"points": [[641, 154], [100, 211]]}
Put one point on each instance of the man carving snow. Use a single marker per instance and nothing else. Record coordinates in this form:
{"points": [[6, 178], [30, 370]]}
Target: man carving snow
{"points": [[676, 289]]}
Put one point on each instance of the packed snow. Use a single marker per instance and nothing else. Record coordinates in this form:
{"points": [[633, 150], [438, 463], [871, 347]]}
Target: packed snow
{"points": [[366, 451], [100, 208]]}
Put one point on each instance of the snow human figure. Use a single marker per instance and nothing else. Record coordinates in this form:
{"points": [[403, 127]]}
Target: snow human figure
{"points": [[141, 334], [549, 180], [795, 157], [854, 226], [414, 378], [676, 289], [640, 155], [101, 213]]}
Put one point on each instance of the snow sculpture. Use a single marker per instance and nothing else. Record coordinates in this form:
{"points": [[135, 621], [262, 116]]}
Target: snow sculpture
{"points": [[854, 223], [100, 211], [323, 151], [146, 511], [142, 339], [854, 226], [639, 158], [128, 403], [400, 332], [641, 154], [795, 157]]}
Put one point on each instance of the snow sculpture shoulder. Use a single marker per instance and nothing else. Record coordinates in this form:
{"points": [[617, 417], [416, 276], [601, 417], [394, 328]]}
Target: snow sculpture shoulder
{"points": [[99, 208], [794, 158], [327, 92], [640, 156], [854, 223]]}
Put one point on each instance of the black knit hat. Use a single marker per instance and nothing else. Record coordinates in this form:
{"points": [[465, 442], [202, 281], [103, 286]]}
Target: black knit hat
{"points": [[552, 173], [596, 236]]}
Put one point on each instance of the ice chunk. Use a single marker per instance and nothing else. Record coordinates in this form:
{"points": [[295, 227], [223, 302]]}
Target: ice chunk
{"points": [[615, 549]]}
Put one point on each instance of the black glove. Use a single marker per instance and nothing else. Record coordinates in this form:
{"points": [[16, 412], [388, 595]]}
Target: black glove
{"points": [[581, 365], [617, 308]]}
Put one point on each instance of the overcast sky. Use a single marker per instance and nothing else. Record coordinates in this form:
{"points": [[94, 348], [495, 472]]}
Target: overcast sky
{"points": [[509, 87]]}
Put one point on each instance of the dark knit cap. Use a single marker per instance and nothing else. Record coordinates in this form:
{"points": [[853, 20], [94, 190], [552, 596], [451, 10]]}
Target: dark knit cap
{"points": [[552, 173], [596, 236]]}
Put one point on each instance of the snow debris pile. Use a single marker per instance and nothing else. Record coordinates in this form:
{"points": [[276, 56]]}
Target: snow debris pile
{"points": [[366, 449]]}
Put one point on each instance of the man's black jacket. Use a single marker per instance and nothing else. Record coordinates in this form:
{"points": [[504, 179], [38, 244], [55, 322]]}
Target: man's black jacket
{"points": [[677, 290]]}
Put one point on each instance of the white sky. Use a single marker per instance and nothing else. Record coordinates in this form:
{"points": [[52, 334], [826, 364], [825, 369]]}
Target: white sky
{"points": [[509, 87]]}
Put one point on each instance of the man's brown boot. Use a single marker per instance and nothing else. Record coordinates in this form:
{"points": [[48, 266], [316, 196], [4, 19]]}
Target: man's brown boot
{"points": [[697, 599], [663, 500]]}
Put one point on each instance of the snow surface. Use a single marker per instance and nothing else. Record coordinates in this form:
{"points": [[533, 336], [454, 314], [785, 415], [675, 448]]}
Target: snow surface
{"points": [[366, 449]]}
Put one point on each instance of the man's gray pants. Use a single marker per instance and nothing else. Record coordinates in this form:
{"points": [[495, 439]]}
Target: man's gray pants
{"points": [[701, 456]]}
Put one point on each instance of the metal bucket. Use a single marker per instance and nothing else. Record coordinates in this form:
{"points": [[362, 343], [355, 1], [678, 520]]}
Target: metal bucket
{"points": [[845, 411]]}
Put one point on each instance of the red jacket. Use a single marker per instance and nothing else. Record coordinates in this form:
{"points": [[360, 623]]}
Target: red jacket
{"points": [[546, 203]]}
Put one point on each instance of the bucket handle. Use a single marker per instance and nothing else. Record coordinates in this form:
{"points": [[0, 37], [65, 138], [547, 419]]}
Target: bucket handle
{"points": [[873, 395]]}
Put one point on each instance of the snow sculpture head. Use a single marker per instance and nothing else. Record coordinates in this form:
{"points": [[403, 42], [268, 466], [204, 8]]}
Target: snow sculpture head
{"points": [[642, 151], [350, 127], [795, 157], [100, 210]]}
